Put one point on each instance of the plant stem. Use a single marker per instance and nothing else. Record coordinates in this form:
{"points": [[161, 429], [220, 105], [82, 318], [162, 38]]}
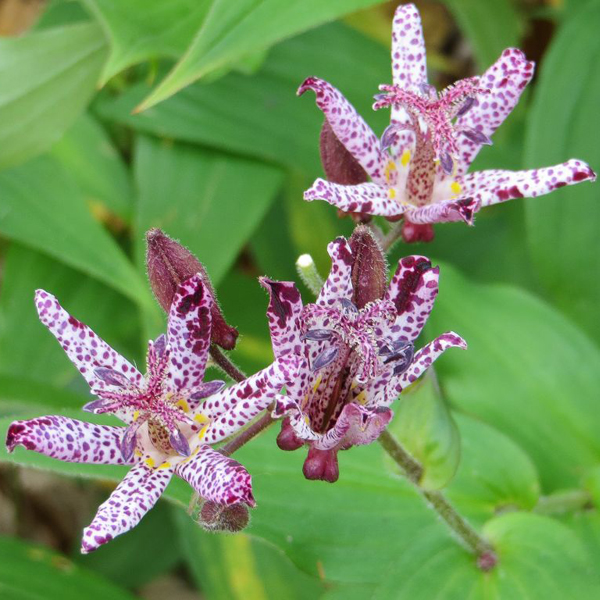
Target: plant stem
{"points": [[414, 471], [247, 434], [224, 363], [564, 502], [391, 237]]}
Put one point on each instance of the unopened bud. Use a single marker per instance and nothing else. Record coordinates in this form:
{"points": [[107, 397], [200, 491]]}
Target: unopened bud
{"points": [[321, 464], [169, 264], [413, 232], [219, 517], [369, 271], [305, 265], [339, 165]]}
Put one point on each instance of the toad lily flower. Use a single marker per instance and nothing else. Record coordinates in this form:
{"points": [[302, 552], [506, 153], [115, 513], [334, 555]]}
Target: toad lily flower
{"points": [[418, 169], [172, 417], [357, 353]]}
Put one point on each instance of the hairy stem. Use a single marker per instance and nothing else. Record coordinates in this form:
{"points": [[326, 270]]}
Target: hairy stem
{"points": [[414, 471], [247, 434], [564, 502], [391, 237], [224, 363]]}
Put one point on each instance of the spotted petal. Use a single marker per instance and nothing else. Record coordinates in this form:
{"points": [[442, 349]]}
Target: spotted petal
{"points": [[236, 406], [338, 285], [446, 211], [131, 500], [83, 347], [368, 198], [409, 68], [349, 127], [285, 306], [217, 478], [506, 78], [189, 331], [68, 439], [496, 186]]}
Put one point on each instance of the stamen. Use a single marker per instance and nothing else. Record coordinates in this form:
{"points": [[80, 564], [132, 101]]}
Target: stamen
{"points": [[349, 307], [325, 358], [447, 162], [468, 104], [208, 388], [160, 345], [318, 335], [111, 377], [129, 440], [476, 136], [179, 442], [99, 406]]}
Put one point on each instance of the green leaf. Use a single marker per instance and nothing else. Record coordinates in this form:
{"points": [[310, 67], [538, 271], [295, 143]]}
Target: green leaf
{"points": [[139, 30], [490, 27], [62, 67], [564, 228], [537, 558], [528, 371], [233, 30], [43, 208], [211, 202], [259, 115], [87, 152], [237, 567], [31, 572], [425, 427]]}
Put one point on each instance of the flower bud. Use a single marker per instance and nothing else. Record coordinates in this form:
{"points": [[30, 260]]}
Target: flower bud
{"points": [[219, 517], [339, 165], [369, 269], [169, 264], [321, 464], [412, 232]]}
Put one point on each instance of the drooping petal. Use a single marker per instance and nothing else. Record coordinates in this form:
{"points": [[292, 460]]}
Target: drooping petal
{"points": [[424, 358], [409, 67], [189, 332], [131, 500], [84, 348], [506, 79], [338, 285], [68, 439], [236, 406], [362, 425], [460, 209], [368, 198], [349, 127], [216, 477], [495, 186], [285, 306], [413, 289]]}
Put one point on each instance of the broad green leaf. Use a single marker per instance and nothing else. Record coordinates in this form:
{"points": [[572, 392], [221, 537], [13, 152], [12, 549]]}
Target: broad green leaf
{"points": [[139, 30], [61, 12], [260, 115], [490, 27], [42, 207], [211, 202], [27, 348], [537, 558], [232, 30], [46, 79], [87, 152], [237, 567], [564, 228], [32, 572], [425, 427], [528, 371]]}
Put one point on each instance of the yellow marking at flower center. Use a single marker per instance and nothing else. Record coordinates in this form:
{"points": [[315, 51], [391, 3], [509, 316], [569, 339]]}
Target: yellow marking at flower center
{"points": [[456, 188], [391, 166], [405, 158], [201, 418], [362, 398], [164, 465], [317, 383], [185, 407], [136, 415], [149, 461], [391, 193]]}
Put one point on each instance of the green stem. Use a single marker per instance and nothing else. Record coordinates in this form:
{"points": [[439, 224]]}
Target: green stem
{"points": [[391, 237], [564, 502], [414, 471]]}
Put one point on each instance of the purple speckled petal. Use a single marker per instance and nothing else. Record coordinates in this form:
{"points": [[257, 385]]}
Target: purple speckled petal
{"points": [[338, 284], [68, 439], [496, 186], [235, 406], [83, 347], [368, 198], [446, 211], [413, 289], [189, 331], [409, 67], [131, 500], [424, 358], [506, 79], [349, 127], [285, 306], [216, 477], [362, 425]]}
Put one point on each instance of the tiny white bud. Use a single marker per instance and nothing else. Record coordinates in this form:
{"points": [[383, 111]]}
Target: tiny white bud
{"points": [[307, 270]]}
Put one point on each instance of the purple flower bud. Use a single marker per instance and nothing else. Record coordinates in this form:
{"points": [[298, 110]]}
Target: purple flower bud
{"points": [[318, 335], [325, 358], [287, 438], [476, 136], [218, 517], [466, 107], [111, 377], [208, 388], [339, 165], [179, 442], [369, 270], [447, 162], [129, 440], [321, 464], [169, 264], [99, 406]]}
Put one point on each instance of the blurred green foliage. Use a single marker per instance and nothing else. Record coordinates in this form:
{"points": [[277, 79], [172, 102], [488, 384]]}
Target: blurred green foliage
{"points": [[220, 162]]}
